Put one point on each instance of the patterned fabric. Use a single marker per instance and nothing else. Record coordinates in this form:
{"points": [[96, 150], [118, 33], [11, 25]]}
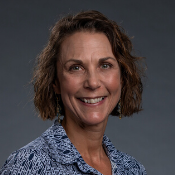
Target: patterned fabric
{"points": [[53, 153]]}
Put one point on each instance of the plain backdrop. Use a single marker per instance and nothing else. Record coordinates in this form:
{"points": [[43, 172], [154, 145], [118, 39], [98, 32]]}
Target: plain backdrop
{"points": [[24, 31]]}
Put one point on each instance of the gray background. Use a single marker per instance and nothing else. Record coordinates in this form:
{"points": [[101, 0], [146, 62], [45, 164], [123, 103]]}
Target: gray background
{"points": [[24, 30]]}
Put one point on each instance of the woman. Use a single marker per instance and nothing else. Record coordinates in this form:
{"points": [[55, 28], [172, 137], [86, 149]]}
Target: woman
{"points": [[85, 73]]}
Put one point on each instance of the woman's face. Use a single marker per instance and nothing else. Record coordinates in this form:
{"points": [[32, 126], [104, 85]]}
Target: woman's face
{"points": [[89, 77]]}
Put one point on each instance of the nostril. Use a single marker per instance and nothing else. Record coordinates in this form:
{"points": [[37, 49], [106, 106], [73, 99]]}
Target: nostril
{"points": [[92, 83]]}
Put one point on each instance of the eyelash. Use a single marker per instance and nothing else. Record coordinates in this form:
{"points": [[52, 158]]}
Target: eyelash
{"points": [[74, 66], [109, 65]]}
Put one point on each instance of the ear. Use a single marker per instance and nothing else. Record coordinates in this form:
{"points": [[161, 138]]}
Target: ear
{"points": [[56, 87]]}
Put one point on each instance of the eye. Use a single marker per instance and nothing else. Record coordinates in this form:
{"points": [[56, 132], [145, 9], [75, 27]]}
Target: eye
{"points": [[106, 66], [75, 68]]}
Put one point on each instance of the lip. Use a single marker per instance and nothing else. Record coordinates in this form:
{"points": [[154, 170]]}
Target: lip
{"points": [[92, 104], [92, 97]]}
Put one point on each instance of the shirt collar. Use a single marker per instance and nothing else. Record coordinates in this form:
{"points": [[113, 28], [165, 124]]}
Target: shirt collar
{"points": [[63, 151], [60, 147], [120, 161]]}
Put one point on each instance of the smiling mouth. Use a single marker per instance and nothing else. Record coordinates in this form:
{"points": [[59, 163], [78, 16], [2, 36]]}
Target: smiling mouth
{"points": [[92, 100]]}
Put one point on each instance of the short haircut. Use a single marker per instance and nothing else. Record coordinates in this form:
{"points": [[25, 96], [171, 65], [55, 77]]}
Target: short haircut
{"points": [[90, 21]]}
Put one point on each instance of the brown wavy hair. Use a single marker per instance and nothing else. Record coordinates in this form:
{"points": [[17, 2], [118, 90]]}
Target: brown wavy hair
{"points": [[92, 21]]}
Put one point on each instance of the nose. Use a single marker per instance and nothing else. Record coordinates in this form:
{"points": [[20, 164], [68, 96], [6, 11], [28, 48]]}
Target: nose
{"points": [[92, 81]]}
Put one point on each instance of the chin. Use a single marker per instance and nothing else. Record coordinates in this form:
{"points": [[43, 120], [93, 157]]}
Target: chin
{"points": [[94, 119]]}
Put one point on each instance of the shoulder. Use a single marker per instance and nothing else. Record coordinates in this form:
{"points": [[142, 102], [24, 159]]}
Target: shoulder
{"points": [[122, 162], [30, 158], [128, 163], [41, 156]]}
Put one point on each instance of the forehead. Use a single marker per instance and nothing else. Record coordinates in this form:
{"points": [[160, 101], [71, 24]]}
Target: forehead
{"points": [[86, 44]]}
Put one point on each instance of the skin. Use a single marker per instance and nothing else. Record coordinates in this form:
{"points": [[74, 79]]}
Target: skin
{"points": [[88, 69]]}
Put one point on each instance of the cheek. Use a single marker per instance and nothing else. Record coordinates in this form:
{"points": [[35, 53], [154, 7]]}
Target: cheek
{"points": [[69, 85], [114, 86], [113, 83]]}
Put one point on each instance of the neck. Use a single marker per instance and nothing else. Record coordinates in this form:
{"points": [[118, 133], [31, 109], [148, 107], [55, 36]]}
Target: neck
{"points": [[86, 139]]}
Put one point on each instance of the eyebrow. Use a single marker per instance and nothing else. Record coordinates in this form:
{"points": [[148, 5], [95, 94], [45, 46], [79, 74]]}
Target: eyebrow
{"points": [[107, 58], [81, 62], [74, 60]]}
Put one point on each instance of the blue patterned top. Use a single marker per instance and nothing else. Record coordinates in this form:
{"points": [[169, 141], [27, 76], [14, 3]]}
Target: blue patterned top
{"points": [[53, 153]]}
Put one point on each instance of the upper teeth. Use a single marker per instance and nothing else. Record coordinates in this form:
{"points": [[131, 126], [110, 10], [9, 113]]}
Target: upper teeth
{"points": [[94, 100]]}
